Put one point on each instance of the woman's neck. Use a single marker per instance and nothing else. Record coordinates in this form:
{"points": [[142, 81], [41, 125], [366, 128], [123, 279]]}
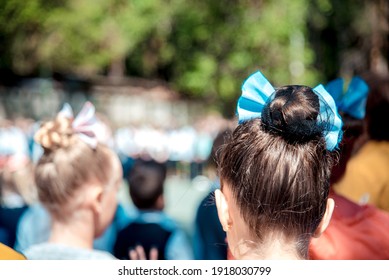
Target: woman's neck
{"points": [[73, 232], [275, 249]]}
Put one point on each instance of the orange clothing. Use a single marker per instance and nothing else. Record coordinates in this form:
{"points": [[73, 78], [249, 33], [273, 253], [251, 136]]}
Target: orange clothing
{"points": [[366, 180], [354, 233], [6, 253]]}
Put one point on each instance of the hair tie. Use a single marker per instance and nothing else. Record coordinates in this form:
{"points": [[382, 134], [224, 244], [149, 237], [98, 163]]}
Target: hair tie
{"points": [[353, 101], [256, 93], [85, 125]]}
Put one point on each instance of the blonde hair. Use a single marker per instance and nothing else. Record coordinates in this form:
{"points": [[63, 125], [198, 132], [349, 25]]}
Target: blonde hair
{"points": [[67, 164]]}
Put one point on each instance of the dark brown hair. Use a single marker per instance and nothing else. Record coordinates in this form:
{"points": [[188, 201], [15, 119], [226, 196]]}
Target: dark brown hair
{"points": [[377, 109], [146, 180], [278, 168], [352, 130]]}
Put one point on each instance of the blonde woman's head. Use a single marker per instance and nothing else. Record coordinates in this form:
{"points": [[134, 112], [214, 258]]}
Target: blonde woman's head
{"points": [[72, 174]]}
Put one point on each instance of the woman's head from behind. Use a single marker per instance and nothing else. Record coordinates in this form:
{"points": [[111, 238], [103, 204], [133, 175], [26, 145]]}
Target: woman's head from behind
{"points": [[275, 174], [74, 174]]}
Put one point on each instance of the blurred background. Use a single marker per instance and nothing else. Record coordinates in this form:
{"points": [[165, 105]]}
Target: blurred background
{"points": [[165, 74]]}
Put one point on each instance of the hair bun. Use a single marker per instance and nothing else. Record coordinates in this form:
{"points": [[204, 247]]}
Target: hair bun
{"points": [[293, 114], [55, 134]]}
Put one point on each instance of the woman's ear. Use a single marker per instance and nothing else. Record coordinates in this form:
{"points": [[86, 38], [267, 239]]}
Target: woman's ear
{"points": [[326, 218], [223, 210]]}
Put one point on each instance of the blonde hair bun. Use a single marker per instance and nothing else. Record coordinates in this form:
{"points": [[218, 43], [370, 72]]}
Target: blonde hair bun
{"points": [[55, 134]]}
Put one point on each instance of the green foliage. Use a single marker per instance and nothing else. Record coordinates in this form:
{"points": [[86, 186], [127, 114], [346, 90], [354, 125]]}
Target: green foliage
{"points": [[20, 26], [82, 36], [217, 44], [340, 35], [204, 49]]}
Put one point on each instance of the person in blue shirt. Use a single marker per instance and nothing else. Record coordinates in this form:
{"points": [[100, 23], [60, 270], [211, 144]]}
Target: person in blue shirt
{"points": [[151, 229], [209, 239]]}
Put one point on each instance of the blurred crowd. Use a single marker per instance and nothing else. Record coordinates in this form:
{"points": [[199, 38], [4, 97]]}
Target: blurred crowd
{"points": [[147, 155], [19, 153]]}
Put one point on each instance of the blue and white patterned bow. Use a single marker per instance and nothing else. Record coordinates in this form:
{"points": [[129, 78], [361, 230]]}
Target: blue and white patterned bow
{"points": [[256, 91], [353, 101]]}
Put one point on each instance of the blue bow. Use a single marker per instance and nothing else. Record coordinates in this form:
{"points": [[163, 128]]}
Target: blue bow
{"points": [[353, 101], [256, 91]]}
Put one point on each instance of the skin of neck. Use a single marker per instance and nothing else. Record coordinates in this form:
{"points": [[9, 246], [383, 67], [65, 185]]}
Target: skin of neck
{"points": [[244, 245], [276, 249], [274, 246], [75, 231]]}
